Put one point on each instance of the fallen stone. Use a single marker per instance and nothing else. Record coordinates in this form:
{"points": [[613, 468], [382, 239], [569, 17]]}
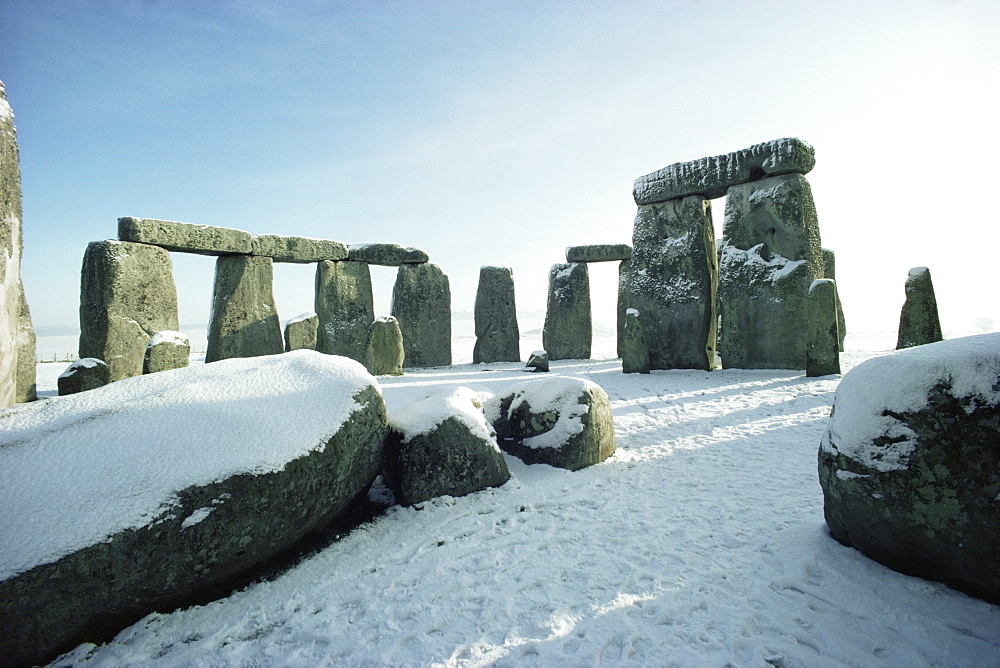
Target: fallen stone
{"points": [[568, 329], [910, 466], [537, 361], [208, 491], [711, 177], [26, 388], [300, 332], [127, 294], [388, 255], [345, 307], [673, 282], [560, 421], [244, 318], [919, 323], [498, 338], [165, 351], [823, 344], [830, 271], [84, 374], [384, 353], [301, 250], [10, 252], [185, 237], [771, 254], [599, 253], [421, 303], [442, 445], [634, 348]]}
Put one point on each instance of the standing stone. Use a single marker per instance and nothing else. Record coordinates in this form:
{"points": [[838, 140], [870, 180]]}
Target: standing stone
{"points": [[167, 350], [82, 375], [771, 254], [918, 320], [674, 277], [421, 302], [384, 353], [823, 349], [624, 297], [830, 271], [244, 318], [127, 294], [497, 336], [568, 329], [634, 347], [26, 389], [300, 332], [10, 252], [345, 307]]}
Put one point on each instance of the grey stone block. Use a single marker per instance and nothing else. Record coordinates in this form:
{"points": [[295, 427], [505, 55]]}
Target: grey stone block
{"points": [[384, 353], [823, 345], [919, 323], [26, 389], [345, 307], [388, 255], [165, 351], [498, 338], [244, 318], [634, 348], [421, 303], [84, 374], [599, 253], [568, 330], [301, 250], [300, 332], [185, 237], [10, 251], [537, 361], [830, 271]]}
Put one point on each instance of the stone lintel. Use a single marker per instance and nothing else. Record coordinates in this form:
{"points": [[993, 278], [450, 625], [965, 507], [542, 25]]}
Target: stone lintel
{"points": [[302, 250], [185, 237], [386, 255], [711, 176], [599, 253]]}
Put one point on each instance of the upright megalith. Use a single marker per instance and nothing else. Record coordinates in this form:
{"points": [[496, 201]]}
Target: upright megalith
{"points": [[26, 389], [244, 318], [633, 345], [300, 332], [823, 345], [673, 279], [624, 297], [497, 336], [165, 351], [127, 294], [830, 271], [345, 307], [771, 254], [421, 303], [568, 330], [918, 320], [384, 353], [10, 252]]}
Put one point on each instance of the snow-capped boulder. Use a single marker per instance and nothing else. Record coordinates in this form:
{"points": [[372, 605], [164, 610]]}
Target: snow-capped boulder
{"points": [[300, 332], [166, 350], [85, 374], [442, 445], [538, 361], [910, 463], [562, 421], [129, 498]]}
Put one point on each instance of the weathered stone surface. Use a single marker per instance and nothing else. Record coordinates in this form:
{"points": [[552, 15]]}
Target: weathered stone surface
{"points": [[634, 347], [185, 237], [910, 463], [918, 320], [561, 421], [599, 253], [345, 308], [84, 374], [147, 522], [823, 344], [301, 331], [498, 338], [127, 294], [165, 351], [388, 255], [568, 330], [673, 281], [711, 177], [421, 303], [10, 251], [771, 254], [537, 361], [440, 446], [624, 297], [830, 271], [244, 318], [302, 250], [26, 389], [384, 353]]}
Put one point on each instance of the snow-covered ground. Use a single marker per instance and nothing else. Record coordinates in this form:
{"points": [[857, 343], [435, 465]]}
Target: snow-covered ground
{"points": [[701, 542]]}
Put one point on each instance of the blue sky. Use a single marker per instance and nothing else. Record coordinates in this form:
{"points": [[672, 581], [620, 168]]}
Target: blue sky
{"points": [[500, 132]]}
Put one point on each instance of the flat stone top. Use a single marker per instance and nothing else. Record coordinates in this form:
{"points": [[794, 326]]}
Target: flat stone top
{"points": [[387, 255], [712, 176], [598, 253], [302, 250], [185, 237]]}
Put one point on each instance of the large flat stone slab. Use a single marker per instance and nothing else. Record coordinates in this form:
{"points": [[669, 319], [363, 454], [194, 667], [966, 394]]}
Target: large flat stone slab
{"points": [[301, 250], [599, 253], [185, 237], [387, 255], [711, 177]]}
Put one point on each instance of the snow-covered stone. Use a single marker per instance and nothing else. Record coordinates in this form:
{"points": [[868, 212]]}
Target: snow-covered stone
{"points": [[633, 347], [442, 445], [25, 351], [598, 253], [388, 255], [823, 344], [910, 462], [384, 355], [421, 303], [918, 319], [345, 307], [537, 361], [300, 332], [568, 329], [125, 499], [244, 317], [711, 177], [184, 237], [10, 251], [301, 250], [127, 294], [166, 350], [84, 374], [561, 421], [498, 338]]}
